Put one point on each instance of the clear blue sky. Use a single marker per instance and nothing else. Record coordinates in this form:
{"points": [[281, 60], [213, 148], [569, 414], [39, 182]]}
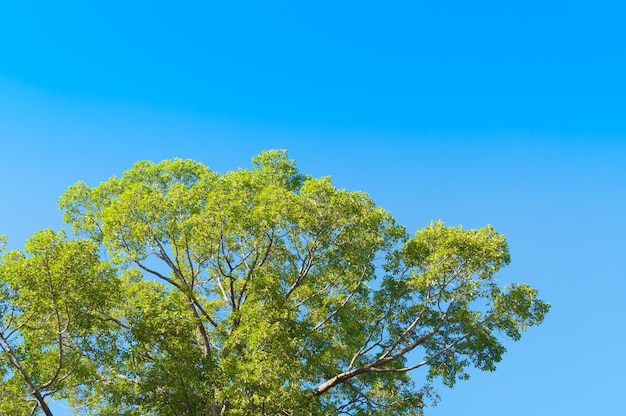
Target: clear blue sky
{"points": [[502, 113]]}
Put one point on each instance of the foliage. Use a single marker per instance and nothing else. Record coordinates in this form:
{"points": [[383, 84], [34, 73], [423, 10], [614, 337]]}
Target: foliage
{"points": [[259, 291], [53, 296]]}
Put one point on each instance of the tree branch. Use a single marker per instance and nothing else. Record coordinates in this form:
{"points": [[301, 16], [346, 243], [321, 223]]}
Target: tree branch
{"points": [[35, 391]]}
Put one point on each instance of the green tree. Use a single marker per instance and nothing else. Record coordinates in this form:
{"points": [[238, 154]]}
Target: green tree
{"points": [[53, 296], [268, 292]]}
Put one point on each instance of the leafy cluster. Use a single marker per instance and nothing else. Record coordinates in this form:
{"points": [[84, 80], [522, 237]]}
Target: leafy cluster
{"points": [[254, 292]]}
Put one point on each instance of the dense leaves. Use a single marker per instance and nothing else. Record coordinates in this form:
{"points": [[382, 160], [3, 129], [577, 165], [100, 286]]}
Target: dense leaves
{"points": [[253, 292], [53, 296]]}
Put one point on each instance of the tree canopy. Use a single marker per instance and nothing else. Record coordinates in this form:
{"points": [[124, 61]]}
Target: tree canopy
{"points": [[259, 291]]}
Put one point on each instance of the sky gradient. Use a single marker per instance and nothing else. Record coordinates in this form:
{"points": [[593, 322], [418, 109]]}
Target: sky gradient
{"points": [[473, 113]]}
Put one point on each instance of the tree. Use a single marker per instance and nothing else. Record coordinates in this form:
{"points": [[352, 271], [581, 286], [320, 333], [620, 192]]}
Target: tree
{"points": [[52, 298], [265, 291]]}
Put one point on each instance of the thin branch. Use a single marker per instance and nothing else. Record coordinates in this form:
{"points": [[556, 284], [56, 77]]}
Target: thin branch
{"points": [[60, 332], [307, 263], [35, 391], [159, 275], [219, 284], [166, 258], [343, 304], [429, 359], [413, 324]]}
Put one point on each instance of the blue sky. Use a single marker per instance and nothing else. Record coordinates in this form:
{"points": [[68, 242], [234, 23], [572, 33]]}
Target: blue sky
{"points": [[510, 114]]}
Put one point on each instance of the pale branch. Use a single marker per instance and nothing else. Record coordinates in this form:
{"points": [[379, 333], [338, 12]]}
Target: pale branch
{"points": [[221, 287]]}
